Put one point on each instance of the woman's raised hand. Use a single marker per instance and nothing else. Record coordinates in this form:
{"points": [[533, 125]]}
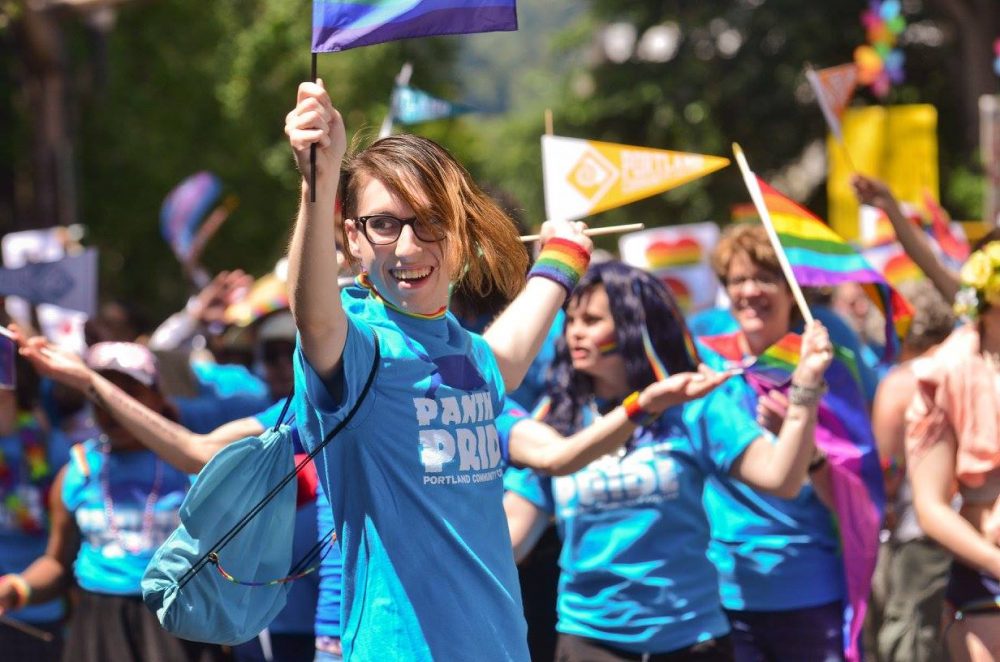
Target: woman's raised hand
{"points": [[815, 357], [52, 362], [571, 230], [314, 121]]}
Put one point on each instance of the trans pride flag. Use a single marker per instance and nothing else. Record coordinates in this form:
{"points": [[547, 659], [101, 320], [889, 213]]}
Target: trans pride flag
{"points": [[844, 434], [342, 24], [821, 258]]}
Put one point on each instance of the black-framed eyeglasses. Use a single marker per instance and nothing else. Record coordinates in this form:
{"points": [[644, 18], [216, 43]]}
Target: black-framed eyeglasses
{"points": [[385, 229]]}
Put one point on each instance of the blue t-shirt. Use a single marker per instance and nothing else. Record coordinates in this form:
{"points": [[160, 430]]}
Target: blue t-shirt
{"points": [[717, 321], [24, 519], [227, 392], [634, 570], [113, 561], [415, 487], [772, 554], [330, 574]]}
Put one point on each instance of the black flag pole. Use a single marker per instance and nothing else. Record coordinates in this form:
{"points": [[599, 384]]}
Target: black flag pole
{"points": [[312, 148]]}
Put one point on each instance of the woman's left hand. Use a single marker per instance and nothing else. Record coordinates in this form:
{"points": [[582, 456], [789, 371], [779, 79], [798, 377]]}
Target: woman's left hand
{"points": [[680, 388], [815, 358]]}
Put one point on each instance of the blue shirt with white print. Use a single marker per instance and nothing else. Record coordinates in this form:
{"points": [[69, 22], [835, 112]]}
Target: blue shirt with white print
{"points": [[142, 496], [772, 554], [414, 482], [634, 569]]}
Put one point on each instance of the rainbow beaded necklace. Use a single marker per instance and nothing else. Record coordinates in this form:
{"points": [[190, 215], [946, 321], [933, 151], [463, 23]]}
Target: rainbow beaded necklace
{"points": [[34, 472]]}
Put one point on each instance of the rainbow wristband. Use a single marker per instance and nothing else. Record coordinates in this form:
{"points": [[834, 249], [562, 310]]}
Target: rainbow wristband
{"points": [[562, 261], [635, 412], [21, 587]]}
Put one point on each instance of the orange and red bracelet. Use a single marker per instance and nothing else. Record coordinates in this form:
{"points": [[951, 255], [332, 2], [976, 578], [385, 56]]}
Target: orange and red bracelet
{"points": [[635, 412]]}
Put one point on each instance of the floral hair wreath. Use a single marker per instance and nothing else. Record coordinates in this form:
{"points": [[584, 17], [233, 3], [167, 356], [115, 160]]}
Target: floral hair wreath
{"points": [[980, 277]]}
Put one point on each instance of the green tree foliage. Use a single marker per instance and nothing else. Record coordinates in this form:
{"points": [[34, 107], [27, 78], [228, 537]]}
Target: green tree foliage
{"points": [[196, 85]]}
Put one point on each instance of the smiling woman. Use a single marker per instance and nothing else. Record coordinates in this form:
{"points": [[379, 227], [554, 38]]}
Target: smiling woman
{"points": [[422, 456]]}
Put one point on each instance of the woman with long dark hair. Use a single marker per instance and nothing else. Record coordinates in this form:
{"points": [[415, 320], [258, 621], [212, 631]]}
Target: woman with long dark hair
{"points": [[636, 583]]}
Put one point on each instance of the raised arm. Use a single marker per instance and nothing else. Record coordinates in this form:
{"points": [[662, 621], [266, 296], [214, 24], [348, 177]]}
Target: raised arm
{"points": [[539, 446], [780, 468], [177, 445], [312, 256], [518, 333], [50, 574], [873, 192]]}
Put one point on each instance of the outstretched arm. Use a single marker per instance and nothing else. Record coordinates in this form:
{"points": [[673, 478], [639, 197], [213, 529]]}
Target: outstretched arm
{"points": [[312, 256], [780, 468], [539, 446], [871, 191], [518, 333], [177, 445]]}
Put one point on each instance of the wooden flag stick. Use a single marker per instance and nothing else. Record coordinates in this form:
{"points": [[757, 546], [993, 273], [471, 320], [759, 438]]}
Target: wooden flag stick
{"points": [[595, 232], [765, 216], [548, 121], [29, 630]]}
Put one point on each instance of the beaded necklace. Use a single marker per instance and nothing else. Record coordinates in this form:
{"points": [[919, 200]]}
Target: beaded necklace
{"points": [[363, 281], [34, 474], [146, 537]]}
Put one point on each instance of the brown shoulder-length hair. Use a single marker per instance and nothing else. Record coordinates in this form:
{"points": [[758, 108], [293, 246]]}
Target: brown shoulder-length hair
{"points": [[748, 238], [484, 250]]}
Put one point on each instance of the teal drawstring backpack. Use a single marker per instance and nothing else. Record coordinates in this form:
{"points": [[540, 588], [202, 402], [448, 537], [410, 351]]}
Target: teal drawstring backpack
{"points": [[249, 547]]}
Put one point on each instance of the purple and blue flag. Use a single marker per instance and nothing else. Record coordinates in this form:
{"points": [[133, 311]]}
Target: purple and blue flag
{"points": [[342, 24]]}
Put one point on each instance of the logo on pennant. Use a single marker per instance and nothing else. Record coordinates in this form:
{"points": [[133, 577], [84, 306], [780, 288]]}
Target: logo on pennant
{"points": [[583, 177], [593, 175]]}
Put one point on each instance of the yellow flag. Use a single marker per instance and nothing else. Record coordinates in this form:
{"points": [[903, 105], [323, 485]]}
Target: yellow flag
{"points": [[897, 144], [583, 177]]}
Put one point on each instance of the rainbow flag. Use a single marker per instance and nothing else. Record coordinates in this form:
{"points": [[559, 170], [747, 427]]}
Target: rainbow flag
{"points": [[821, 258], [342, 24], [844, 434], [184, 209]]}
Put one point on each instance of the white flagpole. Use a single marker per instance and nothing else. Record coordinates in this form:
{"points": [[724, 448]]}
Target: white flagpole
{"points": [[402, 78], [765, 216]]}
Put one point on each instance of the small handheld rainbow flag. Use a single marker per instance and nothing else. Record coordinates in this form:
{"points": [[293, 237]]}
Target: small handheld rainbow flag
{"points": [[821, 258], [342, 24]]}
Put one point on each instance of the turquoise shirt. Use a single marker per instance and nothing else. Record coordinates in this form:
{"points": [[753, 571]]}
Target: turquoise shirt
{"points": [[772, 554], [415, 487], [634, 570], [112, 559]]}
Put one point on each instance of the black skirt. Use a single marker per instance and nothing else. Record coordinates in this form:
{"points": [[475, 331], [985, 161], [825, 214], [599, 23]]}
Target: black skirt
{"points": [[115, 628]]}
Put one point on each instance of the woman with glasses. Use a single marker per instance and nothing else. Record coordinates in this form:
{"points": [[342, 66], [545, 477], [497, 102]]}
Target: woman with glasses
{"points": [[779, 559], [414, 481], [635, 582]]}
